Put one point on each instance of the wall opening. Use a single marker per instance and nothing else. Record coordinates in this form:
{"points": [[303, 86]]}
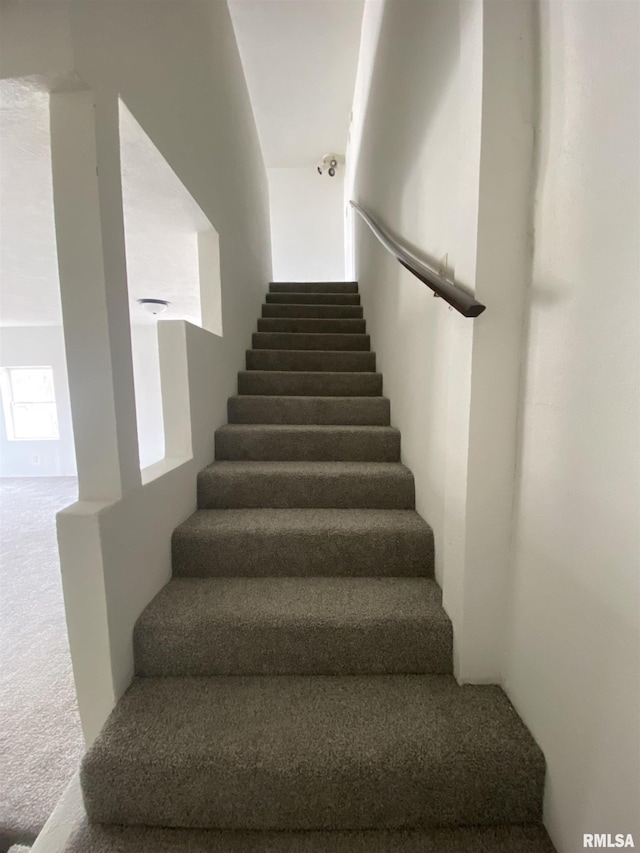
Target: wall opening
{"points": [[39, 718], [173, 254]]}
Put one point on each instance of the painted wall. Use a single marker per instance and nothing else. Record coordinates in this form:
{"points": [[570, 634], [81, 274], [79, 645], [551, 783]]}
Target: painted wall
{"points": [[307, 225], [42, 346], [573, 666], [451, 178], [146, 378], [177, 68], [535, 405], [406, 174]]}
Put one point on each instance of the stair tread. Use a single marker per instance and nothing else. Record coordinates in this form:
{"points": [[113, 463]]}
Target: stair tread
{"points": [[311, 311], [319, 382], [296, 601], [301, 542], [301, 468], [325, 521], [316, 752], [310, 360], [239, 483], [301, 297], [307, 428], [313, 287], [307, 397], [308, 442], [294, 625], [292, 409], [312, 341], [317, 325], [96, 838]]}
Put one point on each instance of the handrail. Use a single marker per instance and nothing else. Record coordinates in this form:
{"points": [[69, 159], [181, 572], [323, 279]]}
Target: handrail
{"points": [[455, 296]]}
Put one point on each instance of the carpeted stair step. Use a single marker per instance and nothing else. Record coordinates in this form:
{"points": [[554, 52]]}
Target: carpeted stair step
{"points": [[303, 542], [307, 442], [332, 312], [247, 409], [309, 383], [98, 838], [309, 341], [311, 360], [294, 626], [313, 298], [350, 326], [313, 287], [309, 752], [365, 485]]}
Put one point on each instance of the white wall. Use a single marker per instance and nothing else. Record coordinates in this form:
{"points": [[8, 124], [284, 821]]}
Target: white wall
{"points": [[177, 68], [406, 175], [307, 224], [41, 346], [450, 177], [146, 378], [573, 664], [369, 34], [535, 404]]}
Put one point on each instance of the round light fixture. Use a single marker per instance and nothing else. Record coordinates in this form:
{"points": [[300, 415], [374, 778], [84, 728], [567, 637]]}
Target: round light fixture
{"points": [[154, 306]]}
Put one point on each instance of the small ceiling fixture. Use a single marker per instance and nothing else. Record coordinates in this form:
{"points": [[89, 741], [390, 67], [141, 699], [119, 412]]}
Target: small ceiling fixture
{"points": [[329, 164], [154, 306]]}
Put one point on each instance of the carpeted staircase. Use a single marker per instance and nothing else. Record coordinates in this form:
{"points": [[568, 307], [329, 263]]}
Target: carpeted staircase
{"points": [[294, 686]]}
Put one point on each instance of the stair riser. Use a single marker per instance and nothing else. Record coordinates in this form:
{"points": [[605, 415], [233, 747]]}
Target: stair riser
{"points": [[144, 839], [313, 298], [216, 491], [208, 649], [311, 553], [242, 798], [372, 411], [307, 341], [313, 287], [292, 384], [313, 312], [304, 361], [311, 447], [311, 325]]}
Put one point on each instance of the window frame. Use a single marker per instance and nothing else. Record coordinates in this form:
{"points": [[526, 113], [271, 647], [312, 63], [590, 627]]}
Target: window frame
{"points": [[9, 403]]}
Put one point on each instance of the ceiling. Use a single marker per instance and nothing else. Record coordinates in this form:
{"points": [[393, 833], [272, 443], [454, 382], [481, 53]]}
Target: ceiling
{"points": [[300, 59]]}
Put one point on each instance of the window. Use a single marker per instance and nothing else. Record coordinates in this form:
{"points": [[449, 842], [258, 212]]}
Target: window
{"points": [[29, 403]]}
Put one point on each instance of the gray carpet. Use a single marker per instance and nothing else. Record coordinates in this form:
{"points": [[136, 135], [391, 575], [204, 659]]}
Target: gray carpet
{"points": [[294, 688], [309, 410], [328, 485], [305, 752], [40, 739], [281, 626], [295, 542], [117, 839]]}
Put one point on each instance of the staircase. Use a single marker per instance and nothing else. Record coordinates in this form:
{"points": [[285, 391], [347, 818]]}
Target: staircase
{"points": [[296, 673]]}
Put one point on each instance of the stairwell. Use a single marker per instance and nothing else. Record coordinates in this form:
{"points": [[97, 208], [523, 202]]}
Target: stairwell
{"points": [[294, 687]]}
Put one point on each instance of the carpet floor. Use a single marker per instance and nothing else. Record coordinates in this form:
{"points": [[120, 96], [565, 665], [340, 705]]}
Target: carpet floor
{"points": [[40, 736]]}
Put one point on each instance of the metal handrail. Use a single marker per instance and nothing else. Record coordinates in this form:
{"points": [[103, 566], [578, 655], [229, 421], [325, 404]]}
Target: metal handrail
{"points": [[455, 296]]}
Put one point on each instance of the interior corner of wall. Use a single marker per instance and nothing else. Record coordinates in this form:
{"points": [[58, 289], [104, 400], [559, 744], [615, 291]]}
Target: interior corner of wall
{"points": [[210, 281], [82, 572], [174, 382]]}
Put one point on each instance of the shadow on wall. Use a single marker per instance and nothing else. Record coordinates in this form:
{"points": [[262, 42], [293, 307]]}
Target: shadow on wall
{"points": [[576, 545], [418, 52], [407, 174]]}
